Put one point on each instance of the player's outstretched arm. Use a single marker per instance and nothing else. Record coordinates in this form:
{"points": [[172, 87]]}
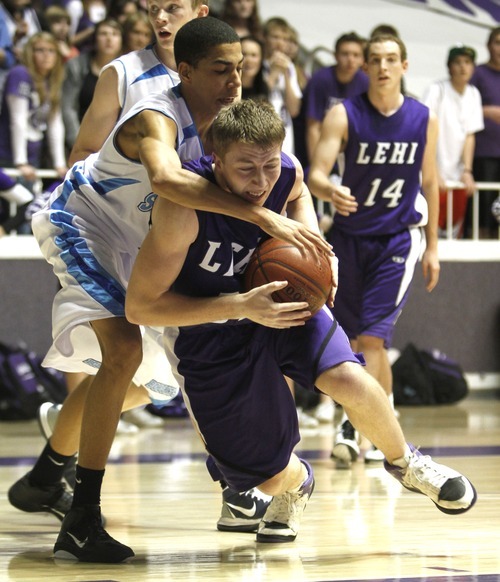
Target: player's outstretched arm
{"points": [[99, 119], [156, 149]]}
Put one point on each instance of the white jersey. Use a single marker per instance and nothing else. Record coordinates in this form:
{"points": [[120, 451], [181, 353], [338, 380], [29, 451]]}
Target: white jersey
{"points": [[140, 74], [459, 115], [91, 232]]}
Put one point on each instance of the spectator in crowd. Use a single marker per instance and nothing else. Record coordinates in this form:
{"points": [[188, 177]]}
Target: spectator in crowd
{"points": [[13, 192], [243, 16], [31, 109], [59, 22], [7, 56], [94, 11], [389, 143], [253, 84], [82, 74], [331, 85], [137, 32], [292, 50], [486, 166], [457, 105], [120, 10], [281, 77], [22, 22]]}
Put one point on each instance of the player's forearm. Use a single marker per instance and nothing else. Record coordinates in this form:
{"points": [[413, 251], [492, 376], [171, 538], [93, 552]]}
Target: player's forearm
{"points": [[192, 191], [319, 184], [431, 228], [172, 309]]}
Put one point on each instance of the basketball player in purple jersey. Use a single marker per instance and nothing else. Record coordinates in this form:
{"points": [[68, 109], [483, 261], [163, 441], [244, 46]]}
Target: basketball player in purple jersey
{"points": [[389, 142], [230, 350]]}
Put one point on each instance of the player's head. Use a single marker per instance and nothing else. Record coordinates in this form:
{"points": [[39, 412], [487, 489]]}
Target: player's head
{"points": [[385, 62], [209, 61], [197, 38], [384, 38], [247, 139], [167, 17]]}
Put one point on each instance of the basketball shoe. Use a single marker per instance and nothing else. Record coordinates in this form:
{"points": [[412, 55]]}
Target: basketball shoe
{"points": [[242, 512], [374, 455], [450, 491], [281, 521], [345, 447], [83, 538], [32, 498]]}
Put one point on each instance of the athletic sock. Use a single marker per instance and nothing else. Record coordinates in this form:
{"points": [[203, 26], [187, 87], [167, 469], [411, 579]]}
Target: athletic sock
{"points": [[49, 467], [88, 484]]}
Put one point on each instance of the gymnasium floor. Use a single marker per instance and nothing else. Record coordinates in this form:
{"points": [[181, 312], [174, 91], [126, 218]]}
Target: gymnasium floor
{"points": [[359, 525]]}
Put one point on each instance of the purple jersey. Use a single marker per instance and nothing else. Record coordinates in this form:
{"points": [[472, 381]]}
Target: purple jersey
{"points": [[232, 376], [324, 91], [487, 80], [383, 159], [218, 257]]}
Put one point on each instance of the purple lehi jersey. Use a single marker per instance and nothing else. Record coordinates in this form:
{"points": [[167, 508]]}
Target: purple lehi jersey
{"points": [[383, 159], [218, 257]]}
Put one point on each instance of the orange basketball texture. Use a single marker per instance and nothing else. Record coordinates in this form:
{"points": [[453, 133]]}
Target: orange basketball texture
{"points": [[308, 280]]}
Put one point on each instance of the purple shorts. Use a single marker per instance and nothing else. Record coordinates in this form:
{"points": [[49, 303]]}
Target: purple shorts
{"points": [[232, 377], [375, 273]]}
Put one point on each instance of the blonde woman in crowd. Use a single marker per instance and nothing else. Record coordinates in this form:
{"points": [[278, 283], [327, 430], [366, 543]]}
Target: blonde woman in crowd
{"points": [[31, 109]]}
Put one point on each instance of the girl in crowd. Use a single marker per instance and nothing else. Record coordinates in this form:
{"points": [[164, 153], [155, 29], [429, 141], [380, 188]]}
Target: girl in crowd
{"points": [[137, 32], [31, 109], [253, 85], [243, 16]]}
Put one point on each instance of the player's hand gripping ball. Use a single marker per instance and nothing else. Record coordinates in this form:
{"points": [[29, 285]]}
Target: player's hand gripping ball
{"points": [[308, 280]]}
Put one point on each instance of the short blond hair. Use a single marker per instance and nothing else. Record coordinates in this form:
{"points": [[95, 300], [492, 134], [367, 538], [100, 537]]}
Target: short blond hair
{"points": [[248, 122]]}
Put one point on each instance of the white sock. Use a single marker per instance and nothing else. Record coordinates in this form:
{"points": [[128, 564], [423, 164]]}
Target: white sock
{"points": [[297, 489], [404, 460]]}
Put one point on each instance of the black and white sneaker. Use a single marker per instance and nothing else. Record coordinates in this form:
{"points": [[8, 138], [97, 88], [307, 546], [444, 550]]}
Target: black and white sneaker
{"points": [[32, 498], [450, 491], [47, 417], [281, 521], [83, 538], [345, 447], [242, 512]]}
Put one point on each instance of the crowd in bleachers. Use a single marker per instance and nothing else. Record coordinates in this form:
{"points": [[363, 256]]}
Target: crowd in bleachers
{"points": [[47, 82]]}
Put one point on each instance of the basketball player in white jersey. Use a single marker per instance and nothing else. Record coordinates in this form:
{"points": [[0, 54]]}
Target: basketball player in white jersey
{"points": [[91, 231]]}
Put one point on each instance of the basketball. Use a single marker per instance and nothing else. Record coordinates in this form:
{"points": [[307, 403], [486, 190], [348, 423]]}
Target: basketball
{"points": [[308, 280]]}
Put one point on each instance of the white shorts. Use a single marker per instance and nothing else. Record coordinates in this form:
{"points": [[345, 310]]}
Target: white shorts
{"points": [[93, 272]]}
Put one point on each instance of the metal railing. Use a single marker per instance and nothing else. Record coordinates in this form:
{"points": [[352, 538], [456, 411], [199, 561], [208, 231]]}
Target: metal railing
{"points": [[480, 187]]}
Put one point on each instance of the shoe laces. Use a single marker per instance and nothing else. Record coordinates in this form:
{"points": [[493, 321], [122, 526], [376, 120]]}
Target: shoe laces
{"points": [[423, 472], [95, 528], [286, 508]]}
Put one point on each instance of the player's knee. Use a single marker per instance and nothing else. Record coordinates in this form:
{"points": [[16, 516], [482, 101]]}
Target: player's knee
{"points": [[346, 383], [125, 353]]}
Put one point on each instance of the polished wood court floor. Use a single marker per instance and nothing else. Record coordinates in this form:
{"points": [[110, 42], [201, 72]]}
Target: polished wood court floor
{"points": [[359, 525]]}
